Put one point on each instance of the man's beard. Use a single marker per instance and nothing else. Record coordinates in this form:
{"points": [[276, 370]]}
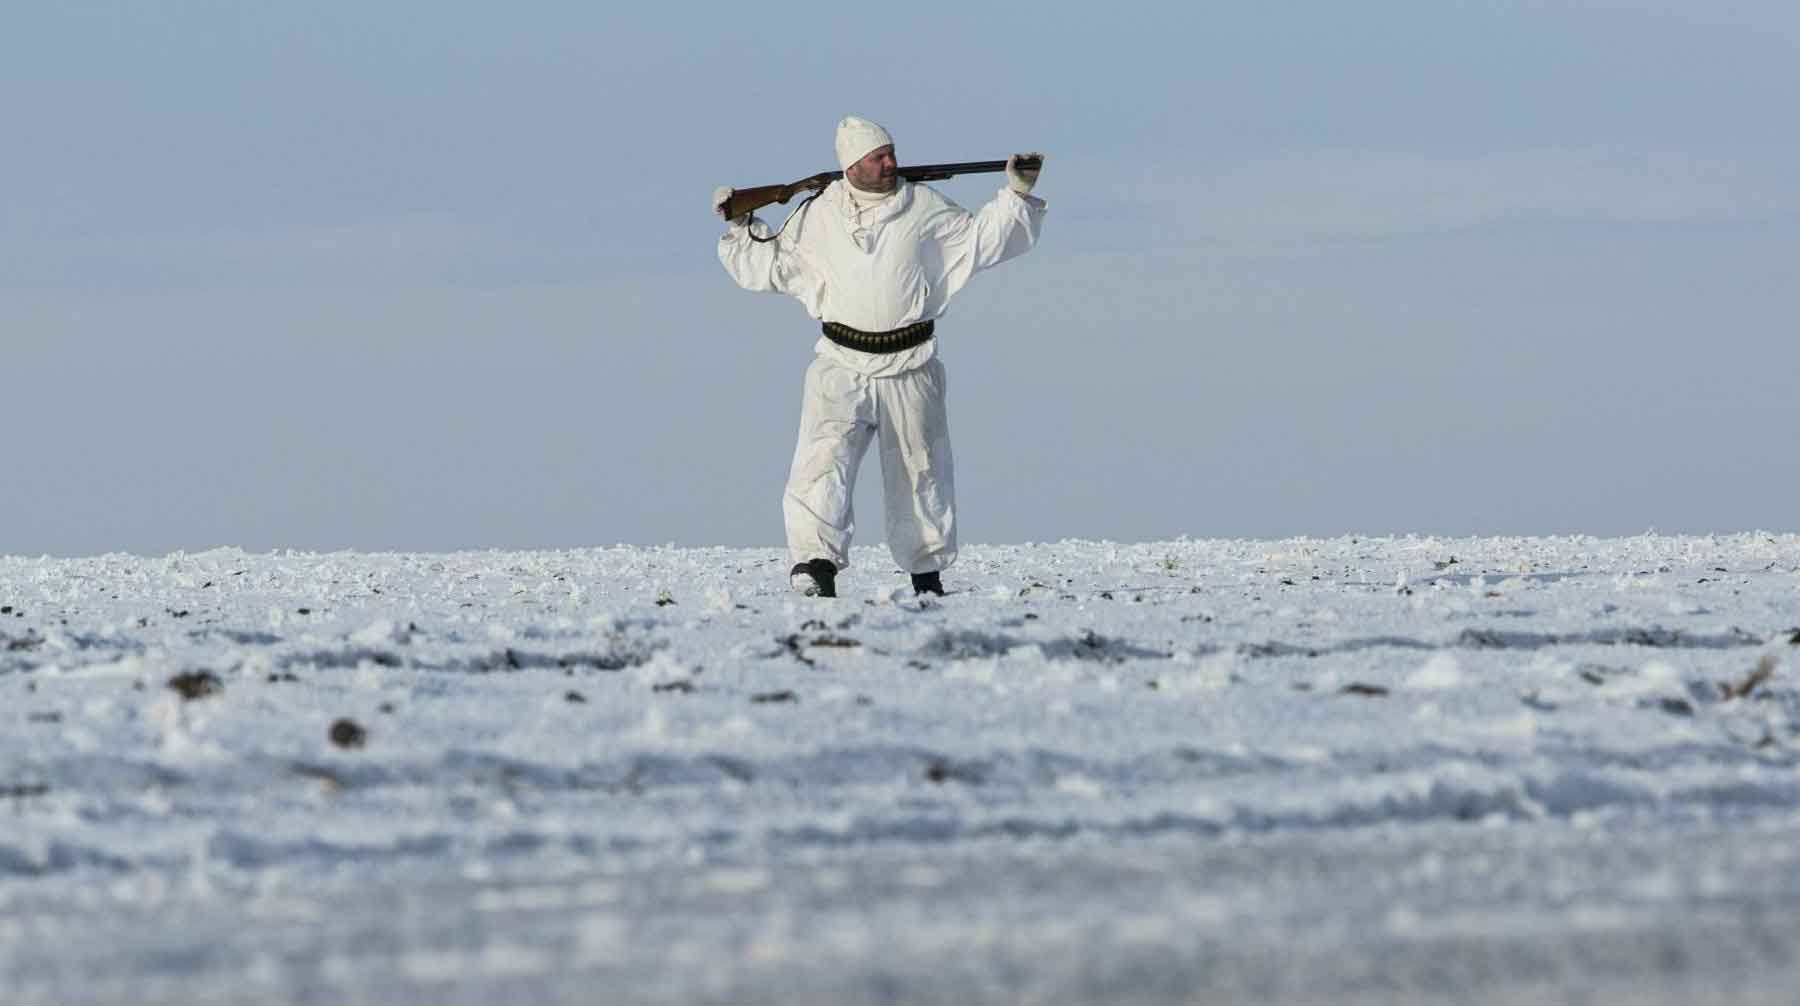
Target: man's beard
{"points": [[881, 184]]}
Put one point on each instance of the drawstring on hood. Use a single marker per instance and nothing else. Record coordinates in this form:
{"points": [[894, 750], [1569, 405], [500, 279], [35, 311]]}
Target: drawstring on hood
{"points": [[865, 214], [863, 202]]}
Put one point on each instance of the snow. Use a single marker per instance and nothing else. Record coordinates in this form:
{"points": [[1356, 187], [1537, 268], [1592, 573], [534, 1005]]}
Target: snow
{"points": [[1360, 769]]}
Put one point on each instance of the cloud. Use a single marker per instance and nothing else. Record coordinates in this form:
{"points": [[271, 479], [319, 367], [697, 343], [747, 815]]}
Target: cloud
{"points": [[1126, 207], [423, 249], [1376, 194]]}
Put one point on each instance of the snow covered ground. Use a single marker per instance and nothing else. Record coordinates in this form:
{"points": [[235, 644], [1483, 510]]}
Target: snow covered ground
{"points": [[1345, 770]]}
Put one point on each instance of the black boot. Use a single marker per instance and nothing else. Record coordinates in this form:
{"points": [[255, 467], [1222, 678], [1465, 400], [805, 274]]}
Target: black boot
{"points": [[927, 583], [814, 578]]}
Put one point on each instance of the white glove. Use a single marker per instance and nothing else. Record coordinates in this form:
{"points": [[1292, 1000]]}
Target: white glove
{"points": [[720, 195], [1019, 179]]}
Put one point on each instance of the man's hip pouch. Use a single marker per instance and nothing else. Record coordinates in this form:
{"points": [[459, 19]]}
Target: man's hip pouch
{"points": [[880, 342]]}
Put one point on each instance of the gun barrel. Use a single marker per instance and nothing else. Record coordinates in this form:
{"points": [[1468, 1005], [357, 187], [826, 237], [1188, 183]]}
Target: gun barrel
{"points": [[922, 172]]}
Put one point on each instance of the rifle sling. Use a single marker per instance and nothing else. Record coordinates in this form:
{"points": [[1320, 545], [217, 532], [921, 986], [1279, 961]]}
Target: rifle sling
{"points": [[790, 217]]}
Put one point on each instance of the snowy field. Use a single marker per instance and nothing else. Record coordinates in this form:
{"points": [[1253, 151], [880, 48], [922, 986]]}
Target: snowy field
{"points": [[1354, 770]]}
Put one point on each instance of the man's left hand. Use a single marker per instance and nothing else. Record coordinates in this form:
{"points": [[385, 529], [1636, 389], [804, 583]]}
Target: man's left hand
{"points": [[721, 196], [1019, 179]]}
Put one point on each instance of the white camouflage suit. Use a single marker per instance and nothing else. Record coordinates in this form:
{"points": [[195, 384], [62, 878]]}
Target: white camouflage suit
{"points": [[876, 268]]}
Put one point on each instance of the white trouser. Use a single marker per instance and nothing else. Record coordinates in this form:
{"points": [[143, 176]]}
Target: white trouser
{"points": [[842, 410]]}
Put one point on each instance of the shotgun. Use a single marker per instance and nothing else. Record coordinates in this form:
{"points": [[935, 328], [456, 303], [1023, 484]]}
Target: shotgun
{"points": [[744, 201]]}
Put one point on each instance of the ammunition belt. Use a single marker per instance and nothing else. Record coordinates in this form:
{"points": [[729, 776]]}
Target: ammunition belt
{"points": [[880, 342]]}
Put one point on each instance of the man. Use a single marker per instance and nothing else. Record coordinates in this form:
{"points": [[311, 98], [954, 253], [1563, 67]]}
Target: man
{"points": [[876, 259]]}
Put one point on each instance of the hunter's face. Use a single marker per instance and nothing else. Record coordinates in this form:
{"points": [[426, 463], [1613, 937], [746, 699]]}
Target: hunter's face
{"points": [[876, 172]]}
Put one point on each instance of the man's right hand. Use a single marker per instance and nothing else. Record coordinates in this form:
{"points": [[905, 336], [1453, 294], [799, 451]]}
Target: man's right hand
{"points": [[721, 196]]}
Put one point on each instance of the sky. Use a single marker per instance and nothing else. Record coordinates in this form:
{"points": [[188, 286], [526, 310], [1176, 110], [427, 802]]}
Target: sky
{"points": [[431, 276]]}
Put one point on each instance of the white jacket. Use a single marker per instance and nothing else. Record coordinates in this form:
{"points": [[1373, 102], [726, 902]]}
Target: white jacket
{"points": [[883, 267]]}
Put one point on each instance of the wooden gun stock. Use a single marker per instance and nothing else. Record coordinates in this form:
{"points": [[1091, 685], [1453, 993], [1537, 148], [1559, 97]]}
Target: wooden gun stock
{"points": [[744, 201]]}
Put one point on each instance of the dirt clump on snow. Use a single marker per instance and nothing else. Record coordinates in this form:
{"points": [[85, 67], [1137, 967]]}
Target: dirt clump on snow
{"points": [[347, 733], [192, 685]]}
